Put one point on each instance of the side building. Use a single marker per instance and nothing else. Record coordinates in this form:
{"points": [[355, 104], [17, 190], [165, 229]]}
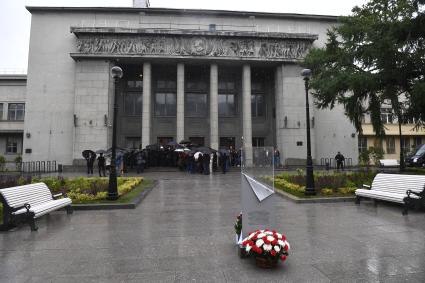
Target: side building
{"points": [[209, 76], [12, 114], [412, 136]]}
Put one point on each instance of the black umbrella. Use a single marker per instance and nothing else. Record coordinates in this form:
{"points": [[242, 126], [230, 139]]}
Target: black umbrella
{"points": [[185, 142], [86, 153], [100, 151]]}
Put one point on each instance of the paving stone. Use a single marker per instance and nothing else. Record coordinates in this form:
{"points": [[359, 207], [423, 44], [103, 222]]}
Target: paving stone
{"points": [[183, 232]]}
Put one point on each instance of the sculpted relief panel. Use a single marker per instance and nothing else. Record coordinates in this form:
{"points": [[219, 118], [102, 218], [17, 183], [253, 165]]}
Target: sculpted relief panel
{"points": [[194, 46]]}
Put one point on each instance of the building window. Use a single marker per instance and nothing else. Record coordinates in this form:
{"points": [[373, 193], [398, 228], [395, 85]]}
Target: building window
{"points": [[135, 84], [362, 144], [417, 141], [387, 116], [164, 140], [257, 105], [226, 105], [11, 145], [196, 105], [132, 142], [227, 142], [1, 111], [258, 142], [390, 145], [165, 104], [16, 112], [200, 141], [133, 103], [405, 144], [377, 143]]}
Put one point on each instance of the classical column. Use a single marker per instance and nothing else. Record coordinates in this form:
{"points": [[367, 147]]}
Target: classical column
{"points": [[146, 114], [180, 102], [213, 106], [246, 113]]}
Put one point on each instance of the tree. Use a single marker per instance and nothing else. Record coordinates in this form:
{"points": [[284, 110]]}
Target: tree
{"points": [[372, 57]]}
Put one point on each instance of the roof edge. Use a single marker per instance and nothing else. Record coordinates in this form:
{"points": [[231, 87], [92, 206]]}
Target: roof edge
{"points": [[13, 76], [188, 11]]}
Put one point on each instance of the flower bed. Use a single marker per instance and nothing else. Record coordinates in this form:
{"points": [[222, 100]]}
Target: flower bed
{"points": [[80, 190], [326, 185]]}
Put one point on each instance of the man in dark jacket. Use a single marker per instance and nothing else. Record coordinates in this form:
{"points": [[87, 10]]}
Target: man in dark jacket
{"points": [[101, 165], [339, 161]]}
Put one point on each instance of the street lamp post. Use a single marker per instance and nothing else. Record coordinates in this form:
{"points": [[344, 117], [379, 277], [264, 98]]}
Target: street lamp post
{"points": [[309, 188], [116, 73]]}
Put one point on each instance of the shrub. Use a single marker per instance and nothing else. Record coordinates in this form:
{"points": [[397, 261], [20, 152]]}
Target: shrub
{"points": [[2, 162]]}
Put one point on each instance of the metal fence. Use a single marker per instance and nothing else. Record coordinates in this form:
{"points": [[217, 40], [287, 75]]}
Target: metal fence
{"points": [[30, 167], [330, 163]]}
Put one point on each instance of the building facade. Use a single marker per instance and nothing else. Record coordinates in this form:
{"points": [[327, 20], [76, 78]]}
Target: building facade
{"points": [[12, 114], [218, 78], [412, 136]]}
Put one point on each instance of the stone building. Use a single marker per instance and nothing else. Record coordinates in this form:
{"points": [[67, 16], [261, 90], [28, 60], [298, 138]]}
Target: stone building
{"points": [[209, 76], [12, 114]]}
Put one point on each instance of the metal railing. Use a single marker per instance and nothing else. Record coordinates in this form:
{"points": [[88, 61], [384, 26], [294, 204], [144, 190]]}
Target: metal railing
{"points": [[330, 163], [39, 167]]}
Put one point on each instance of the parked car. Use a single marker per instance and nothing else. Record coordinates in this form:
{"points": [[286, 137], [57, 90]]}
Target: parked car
{"points": [[418, 157]]}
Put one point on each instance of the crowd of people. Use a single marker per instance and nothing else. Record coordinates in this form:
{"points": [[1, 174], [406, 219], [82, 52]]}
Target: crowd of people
{"points": [[188, 158]]}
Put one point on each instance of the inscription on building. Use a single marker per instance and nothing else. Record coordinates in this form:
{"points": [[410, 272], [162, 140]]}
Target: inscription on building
{"points": [[194, 46]]}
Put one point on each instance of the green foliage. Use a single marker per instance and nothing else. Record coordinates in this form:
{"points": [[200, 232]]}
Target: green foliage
{"points": [[376, 153], [373, 57], [2, 162], [336, 184], [364, 158]]}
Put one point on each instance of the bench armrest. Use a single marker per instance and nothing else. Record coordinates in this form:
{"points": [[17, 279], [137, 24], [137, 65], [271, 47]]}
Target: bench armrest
{"points": [[409, 192], [27, 206], [55, 196], [366, 186]]}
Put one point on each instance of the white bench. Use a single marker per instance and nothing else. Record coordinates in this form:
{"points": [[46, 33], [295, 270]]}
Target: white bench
{"points": [[388, 163], [394, 188], [29, 202]]}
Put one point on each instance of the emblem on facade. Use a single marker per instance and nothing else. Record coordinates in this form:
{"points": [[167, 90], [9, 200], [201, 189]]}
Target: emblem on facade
{"points": [[194, 46]]}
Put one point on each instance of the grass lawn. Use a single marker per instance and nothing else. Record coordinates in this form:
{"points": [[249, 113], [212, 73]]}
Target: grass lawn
{"points": [[319, 195]]}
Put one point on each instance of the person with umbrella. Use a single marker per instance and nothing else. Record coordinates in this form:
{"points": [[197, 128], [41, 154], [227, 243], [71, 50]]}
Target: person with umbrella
{"points": [[90, 157]]}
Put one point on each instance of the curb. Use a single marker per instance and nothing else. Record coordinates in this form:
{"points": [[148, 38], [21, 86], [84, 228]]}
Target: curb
{"points": [[108, 206], [314, 200]]}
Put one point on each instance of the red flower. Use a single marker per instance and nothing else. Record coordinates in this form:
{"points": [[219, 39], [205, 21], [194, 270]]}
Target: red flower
{"points": [[259, 251], [283, 257], [274, 242], [244, 243], [285, 247], [267, 242], [274, 231], [283, 238], [273, 253]]}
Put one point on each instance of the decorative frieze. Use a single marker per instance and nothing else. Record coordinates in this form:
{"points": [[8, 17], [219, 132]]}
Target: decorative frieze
{"points": [[197, 46]]}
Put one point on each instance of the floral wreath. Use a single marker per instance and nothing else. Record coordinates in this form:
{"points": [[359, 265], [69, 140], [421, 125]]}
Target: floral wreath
{"points": [[266, 244]]}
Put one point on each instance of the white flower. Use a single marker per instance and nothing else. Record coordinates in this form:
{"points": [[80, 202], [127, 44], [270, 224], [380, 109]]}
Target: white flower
{"points": [[277, 248], [279, 236], [248, 248], [250, 236], [261, 235], [268, 233], [281, 243], [259, 243], [289, 247], [270, 238], [267, 247]]}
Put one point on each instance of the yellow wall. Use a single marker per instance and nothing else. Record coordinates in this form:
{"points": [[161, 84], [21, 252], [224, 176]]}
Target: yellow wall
{"points": [[391, 130]]}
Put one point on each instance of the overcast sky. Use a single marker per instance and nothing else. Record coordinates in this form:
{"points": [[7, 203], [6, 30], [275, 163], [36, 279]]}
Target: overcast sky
{"points": [[15, 19]]}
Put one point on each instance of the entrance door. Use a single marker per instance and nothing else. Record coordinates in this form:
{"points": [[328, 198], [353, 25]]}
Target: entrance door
{"points": [[197, 140], [227, 142], [164, 140]]}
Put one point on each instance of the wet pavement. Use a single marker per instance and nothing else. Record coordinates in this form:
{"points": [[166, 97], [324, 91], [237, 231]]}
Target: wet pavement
{"points": [[183, 231]]}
